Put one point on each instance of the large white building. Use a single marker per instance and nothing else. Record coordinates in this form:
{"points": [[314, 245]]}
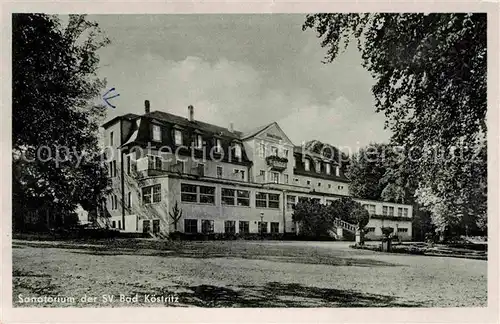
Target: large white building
{"points": [[223, 180]]}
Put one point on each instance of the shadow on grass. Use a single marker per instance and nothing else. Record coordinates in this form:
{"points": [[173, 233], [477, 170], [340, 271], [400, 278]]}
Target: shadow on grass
{"points": [[275, 294], [217, 249]]}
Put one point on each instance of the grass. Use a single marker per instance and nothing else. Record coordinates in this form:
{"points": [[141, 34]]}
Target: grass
{"points": [[240, 274]]}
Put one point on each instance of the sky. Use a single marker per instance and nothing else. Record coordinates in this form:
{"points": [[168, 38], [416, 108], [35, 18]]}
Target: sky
{"points": [[249, 70]]}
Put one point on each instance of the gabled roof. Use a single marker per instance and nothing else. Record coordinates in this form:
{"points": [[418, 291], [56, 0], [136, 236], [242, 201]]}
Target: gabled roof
{"points": [[260, 129]]}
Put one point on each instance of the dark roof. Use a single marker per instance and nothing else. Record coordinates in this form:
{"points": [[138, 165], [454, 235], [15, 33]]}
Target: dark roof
{"points": [[126, 117], [181, 121]]}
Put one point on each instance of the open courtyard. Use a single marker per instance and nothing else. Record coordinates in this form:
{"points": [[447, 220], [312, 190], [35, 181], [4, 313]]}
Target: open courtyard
{"points": [[239, 274]]}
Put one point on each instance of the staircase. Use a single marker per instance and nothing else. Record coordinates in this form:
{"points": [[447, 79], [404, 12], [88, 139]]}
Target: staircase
{"points": [[340, 226], [345, 225]]}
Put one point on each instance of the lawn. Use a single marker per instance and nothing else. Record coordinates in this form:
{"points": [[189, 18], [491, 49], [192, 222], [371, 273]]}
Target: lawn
{"points": [[239, 274]]}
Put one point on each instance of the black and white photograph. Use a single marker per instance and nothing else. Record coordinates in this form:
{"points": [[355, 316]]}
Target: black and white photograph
{"points": [[250, 160]]}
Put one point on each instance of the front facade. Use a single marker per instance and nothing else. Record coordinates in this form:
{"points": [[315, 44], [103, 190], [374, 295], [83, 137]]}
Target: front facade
{"points": [[222, 180]]}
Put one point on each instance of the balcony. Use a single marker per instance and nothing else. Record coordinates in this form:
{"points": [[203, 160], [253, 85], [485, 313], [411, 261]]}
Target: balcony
{"points": [[276, 162]]}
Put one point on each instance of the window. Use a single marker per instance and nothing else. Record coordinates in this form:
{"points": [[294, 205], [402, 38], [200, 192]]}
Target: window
{"points": [[154, 162], [200, 169], [151, 194], [308, 182], [218, 145], [329, 186], [274, 150], [400, 211], [191, 226], [370, 209], [275, 227], [237, 150], [112, 169], [119, 224], [129, 199], [294, 162], [197, 194], [391, 211], [285, 153], [198, 142], [129, 164], [232, 197], [275, 177], [384, 210], [307, 165], [207, 226], [111, 138], [290, 202], [319, 184], [188, 193], [328, 168], [296, 179], [207, 195], [262, 150], [340, 187], [156, 133], [244, 227], [318, 166], [286, 178], [113, 224], [114, 202], [370, 229], [219, 171], [267, 200], [262, 174], [262, 227], [230, 227], [177, 137], [405, 212], [337, 171], [402, 230], [240, 174]]}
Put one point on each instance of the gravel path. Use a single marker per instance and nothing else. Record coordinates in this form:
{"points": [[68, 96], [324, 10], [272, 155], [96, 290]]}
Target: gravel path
{"points": [[241, 274]]}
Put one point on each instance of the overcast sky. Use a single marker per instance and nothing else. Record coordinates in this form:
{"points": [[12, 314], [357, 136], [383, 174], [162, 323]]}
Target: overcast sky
{"points": [[246, 69]]}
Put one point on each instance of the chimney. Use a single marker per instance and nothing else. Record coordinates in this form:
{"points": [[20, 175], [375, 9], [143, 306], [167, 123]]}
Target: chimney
{"points": [[191, 113], [231, 127], [146, 106]]}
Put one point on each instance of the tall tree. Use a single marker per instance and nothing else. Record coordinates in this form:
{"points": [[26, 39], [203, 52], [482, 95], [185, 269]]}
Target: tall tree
{"points": [[430, 72], [55, 122]]}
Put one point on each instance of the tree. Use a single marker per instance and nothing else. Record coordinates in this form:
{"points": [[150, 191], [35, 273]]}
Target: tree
{"points": [[56, 156], [350, 211], [430, 72], [315, 219], [176, 215]]}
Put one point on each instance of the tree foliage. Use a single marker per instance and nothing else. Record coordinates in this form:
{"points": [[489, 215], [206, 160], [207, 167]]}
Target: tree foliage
{"points": [[430, 72], [53, 115], [317, 220]]}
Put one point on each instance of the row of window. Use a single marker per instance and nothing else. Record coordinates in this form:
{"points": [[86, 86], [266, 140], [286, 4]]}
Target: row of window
{"points": [[198, 140], [274, 151], [207, 226], [319, 167], [230, 197], [387, 210]]}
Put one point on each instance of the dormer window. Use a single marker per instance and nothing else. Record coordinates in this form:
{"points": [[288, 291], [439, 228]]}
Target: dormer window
{"points": [[178, 137], [218, 145], [328, 168], [318, 166], [307, 165], [156, 133], [237, 150], [198, 142]]}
